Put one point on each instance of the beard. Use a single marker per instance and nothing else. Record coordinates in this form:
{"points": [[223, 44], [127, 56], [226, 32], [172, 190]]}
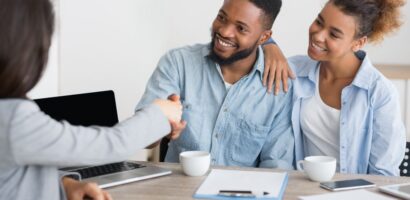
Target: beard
{"points": [[233, 58]]}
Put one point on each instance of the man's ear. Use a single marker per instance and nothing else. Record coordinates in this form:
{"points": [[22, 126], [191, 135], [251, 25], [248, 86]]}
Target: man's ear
{"points": [[359, 43], [265, 36]]}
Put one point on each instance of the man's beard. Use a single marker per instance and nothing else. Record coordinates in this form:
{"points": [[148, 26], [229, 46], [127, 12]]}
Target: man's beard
{"points": [[233, 58]]}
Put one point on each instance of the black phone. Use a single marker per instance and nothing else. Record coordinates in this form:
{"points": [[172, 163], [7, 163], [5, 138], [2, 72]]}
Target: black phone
{"points": [[346, 184]]}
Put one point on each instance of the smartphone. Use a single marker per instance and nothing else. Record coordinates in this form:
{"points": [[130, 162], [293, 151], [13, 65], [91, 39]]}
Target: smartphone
{"points": [[346, 184], [399, 190]]}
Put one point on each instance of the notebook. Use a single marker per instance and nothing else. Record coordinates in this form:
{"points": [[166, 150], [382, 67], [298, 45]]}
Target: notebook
{"points": [[232, 184], [97, 108]]}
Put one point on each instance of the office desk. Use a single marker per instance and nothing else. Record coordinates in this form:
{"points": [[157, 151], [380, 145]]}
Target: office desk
{"points": [[179, 187]]}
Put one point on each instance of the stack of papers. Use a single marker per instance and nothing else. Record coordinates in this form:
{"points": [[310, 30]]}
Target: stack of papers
{"points": [[264, 185], [351, 195]]}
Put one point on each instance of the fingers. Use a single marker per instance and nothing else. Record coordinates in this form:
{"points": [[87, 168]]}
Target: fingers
{"points": [[285, 81], [174, 97], [93, 191], [106, 195], [272, 73], [177, 128], [265, 73], [290, 72], [278, 79]]}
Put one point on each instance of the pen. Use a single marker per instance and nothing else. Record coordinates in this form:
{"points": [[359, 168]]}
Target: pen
{"points": [[241, 193]]}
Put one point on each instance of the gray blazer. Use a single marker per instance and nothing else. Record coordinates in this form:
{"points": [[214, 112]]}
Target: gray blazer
{"points": [[33, 146]]}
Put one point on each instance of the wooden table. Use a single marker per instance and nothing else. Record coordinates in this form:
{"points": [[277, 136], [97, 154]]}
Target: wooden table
{"points": [[179, 187]]}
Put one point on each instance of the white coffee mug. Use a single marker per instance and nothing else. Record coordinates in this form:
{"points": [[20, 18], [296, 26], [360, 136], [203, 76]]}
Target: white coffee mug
{"points": [[318, 168], [195, 163]]}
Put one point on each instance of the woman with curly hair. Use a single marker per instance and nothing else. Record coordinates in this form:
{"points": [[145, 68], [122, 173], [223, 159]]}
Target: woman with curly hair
{"points": [[344, 107]]}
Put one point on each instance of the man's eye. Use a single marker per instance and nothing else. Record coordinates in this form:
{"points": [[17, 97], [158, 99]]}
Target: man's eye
{"points": [[242, 29]]}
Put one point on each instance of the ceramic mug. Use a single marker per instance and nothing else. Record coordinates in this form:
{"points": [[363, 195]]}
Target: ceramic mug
{"points": [[318, 168], [195, 163]]}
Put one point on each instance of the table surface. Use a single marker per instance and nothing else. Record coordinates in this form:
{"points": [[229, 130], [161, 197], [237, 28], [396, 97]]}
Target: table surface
{"points": [[178, 186]]}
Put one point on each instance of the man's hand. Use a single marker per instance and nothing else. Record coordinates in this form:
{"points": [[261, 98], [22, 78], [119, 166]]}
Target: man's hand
{"points": [[176, 126], [76, 190], [176, 129], [276, 68]]}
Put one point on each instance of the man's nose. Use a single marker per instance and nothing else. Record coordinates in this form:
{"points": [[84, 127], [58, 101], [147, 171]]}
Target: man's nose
{"points": [[227, 31]]}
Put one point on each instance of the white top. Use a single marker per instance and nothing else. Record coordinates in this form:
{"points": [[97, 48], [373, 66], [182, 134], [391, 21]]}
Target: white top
{"points": [[320, 126], [227, 85]]}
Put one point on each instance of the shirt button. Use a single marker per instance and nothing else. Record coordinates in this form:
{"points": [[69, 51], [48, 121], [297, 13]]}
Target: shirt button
{"points": [[343, 147], [225, 109], [216, 135]]}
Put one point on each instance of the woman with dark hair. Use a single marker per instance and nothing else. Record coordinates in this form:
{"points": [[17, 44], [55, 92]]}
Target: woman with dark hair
{"points": [[33, 145], [344, 107]]}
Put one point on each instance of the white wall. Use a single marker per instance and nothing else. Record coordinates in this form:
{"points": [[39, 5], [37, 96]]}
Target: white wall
{"points": [[115, 44], [107, 44]]}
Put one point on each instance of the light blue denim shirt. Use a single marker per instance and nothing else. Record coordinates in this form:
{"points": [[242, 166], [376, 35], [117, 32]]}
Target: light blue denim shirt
{"points": [[244, 126], [372, 135]]}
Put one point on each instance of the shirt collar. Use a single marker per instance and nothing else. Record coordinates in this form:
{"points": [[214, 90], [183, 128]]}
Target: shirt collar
{"points": [[363, 78], [306, 71]]}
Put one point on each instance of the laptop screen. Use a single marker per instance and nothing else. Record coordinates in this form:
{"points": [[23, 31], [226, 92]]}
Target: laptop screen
{"points": [[97, 108]]}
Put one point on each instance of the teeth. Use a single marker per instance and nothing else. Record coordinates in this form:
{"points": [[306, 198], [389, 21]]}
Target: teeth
{"points": [[225, 44], [318, 47]]}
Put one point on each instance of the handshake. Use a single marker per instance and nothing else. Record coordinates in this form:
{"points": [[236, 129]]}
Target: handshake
{"points": [[172, 109]]}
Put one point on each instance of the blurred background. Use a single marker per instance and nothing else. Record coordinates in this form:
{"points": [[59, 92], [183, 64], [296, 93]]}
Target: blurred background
{"points": [[116, 44]]}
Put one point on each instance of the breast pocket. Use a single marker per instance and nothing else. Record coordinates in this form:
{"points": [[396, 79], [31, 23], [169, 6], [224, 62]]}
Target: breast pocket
{"points": [[191, 136], [248, 140]]}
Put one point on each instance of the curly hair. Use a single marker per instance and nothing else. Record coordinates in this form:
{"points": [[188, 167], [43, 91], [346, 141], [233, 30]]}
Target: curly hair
{"points": [[376, 18]]}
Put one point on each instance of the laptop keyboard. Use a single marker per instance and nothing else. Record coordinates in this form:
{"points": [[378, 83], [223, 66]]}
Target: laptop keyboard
{"points": [[106, 169]]}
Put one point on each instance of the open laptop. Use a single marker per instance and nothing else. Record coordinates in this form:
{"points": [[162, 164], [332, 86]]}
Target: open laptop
{"points": [[97, 108]]}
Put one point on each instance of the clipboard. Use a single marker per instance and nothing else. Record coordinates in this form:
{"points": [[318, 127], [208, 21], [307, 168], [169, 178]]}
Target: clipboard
{"points": [[238, 184]]}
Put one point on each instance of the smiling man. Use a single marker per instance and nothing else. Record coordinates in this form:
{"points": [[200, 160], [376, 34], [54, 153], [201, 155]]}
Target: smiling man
{"points": [[228, 110]]}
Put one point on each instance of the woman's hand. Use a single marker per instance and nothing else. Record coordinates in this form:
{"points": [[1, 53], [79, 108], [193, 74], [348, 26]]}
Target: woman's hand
{"points": [[276, 68], [76, 190], [172, 108]]}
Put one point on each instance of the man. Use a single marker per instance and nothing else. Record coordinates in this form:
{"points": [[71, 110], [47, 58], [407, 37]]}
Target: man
{"points": [[228, 110]]}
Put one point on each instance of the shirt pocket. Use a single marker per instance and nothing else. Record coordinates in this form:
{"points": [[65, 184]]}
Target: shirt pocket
{"points": [[190, 137], [248, 140]]}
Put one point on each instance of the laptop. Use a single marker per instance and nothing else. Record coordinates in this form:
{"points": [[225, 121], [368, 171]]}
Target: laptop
{"points": [[97, 108]]}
